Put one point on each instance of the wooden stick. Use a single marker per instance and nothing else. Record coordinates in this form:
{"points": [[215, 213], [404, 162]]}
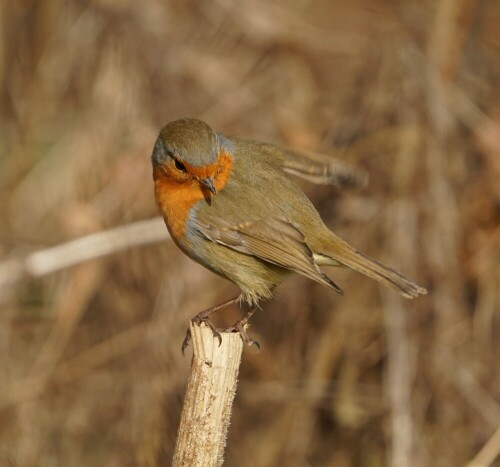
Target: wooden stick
{"points": [[209, 397], [79, 250]]}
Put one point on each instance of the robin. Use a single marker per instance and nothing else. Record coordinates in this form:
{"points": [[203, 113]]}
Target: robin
{"points": [[230, 205]]}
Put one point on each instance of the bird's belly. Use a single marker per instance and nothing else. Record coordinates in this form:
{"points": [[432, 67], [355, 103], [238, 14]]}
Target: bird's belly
{"points": [[257, 279]]}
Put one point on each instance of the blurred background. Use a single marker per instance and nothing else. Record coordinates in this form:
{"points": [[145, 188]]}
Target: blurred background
{"points": [[90, 363]]}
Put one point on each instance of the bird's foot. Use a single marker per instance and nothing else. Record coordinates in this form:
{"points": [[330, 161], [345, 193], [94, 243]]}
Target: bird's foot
{"points": [[186, 341], [241, 327], [203, 317], [198, 319]]}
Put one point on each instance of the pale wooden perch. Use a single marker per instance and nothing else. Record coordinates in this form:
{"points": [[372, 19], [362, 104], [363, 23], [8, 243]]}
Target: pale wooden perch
{"points": [[209, 398]]}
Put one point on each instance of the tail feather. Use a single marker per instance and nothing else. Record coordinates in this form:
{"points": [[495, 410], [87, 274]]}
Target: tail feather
{"points": [[346, 255]]}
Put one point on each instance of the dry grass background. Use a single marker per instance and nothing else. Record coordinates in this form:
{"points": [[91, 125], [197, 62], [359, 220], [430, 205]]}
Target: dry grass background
{"points": [[90, 363]]}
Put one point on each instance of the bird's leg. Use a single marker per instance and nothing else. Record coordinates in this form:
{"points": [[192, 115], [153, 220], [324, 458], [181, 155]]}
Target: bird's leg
{"points": [[241, 328], [203, 317]]}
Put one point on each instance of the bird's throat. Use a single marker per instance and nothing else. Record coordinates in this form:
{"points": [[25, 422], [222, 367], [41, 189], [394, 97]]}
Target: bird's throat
{"points": [[175, 199]]}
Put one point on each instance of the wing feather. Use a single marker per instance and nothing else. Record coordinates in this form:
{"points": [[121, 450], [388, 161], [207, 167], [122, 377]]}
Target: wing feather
{"points": [[317, 168], [275, 240]]}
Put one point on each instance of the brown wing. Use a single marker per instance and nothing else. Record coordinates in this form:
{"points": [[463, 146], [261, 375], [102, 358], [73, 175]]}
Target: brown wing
{"points": [[317, 168], [275, 240]]}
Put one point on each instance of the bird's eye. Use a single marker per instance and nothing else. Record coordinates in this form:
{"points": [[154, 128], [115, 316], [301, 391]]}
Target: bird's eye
{"points": [[179, 165]]}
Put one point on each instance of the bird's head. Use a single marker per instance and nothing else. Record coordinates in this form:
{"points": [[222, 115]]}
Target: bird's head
{"points": [[188, 151]]}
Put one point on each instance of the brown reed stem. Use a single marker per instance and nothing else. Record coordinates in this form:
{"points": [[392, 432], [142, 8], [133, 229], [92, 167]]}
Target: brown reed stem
{"points": [[211, 387]]}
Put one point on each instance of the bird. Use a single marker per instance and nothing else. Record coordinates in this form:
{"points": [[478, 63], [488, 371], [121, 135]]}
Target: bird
{"points": [[232, 205]]}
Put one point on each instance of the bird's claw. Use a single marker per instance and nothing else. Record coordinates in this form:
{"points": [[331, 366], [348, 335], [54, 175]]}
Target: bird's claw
{"points": [[241, 327], [186, 341], [248, 340], [198, 320], [215, 331]]}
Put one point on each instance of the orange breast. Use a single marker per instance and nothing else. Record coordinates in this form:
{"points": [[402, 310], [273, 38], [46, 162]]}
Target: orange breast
{"points": [[176, 198]]}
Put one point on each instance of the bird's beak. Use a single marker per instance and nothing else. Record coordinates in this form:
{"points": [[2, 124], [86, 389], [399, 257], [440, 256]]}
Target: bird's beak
{"points": [[209, 183]]}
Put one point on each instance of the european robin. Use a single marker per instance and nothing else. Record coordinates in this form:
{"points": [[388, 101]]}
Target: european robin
{"points": [[230, 205]]}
